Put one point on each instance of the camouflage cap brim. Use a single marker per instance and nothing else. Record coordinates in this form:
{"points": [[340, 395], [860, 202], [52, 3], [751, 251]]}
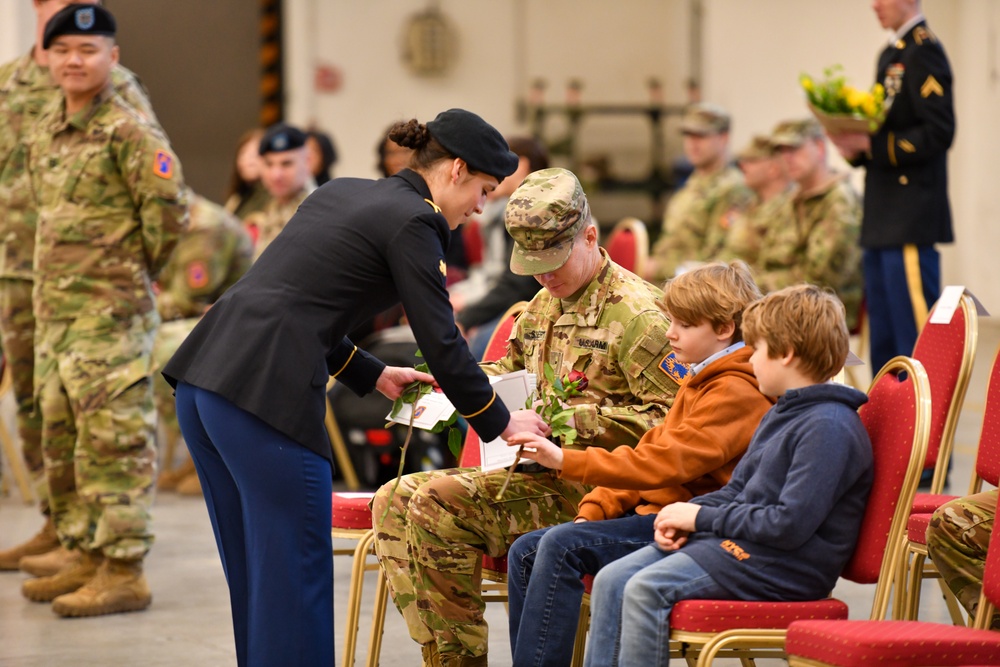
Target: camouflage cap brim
{"points": [[533, 262]]}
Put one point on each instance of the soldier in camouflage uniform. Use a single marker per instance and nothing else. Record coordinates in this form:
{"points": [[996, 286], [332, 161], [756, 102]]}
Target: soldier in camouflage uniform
{"points": [[111, 205], [212, 254], [700, 213], [593, 317], [957, 539], [285, 175], [765, 175], [25, 88], [822, 246]]}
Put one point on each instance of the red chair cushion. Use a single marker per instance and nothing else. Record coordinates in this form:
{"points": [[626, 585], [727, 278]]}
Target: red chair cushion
{"points": [[350, 510], [495, 564], [916, 528], [891, 643], [720, 615], [926, 503]]}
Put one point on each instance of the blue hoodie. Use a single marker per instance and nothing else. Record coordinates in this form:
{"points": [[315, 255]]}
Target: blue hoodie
{"points": [[787, 522]]}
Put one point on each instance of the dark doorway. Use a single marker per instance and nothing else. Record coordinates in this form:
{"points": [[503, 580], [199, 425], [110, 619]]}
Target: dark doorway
{"points": [[199, 61]]}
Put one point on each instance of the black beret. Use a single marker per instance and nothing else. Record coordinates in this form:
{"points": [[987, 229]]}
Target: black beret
{"points": [[280, 137], [466, 135], [79, 19]]}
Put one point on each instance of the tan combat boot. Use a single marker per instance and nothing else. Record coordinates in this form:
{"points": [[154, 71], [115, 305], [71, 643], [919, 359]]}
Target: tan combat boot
{"points": [[67, 580], [190, 485], [46, 540], [47, 564], [429, 653], [119, 586], [169, 479]]}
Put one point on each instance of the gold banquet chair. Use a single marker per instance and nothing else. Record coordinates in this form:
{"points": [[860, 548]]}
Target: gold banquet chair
{"points": [[10, 450]]}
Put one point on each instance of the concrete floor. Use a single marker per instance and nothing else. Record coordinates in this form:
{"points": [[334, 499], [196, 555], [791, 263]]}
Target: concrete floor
{"points": [[189, 621]]}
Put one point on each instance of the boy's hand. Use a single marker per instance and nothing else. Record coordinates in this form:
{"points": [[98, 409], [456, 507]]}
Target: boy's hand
{"points": [[670, 539], [677, 515], [545, 451]]}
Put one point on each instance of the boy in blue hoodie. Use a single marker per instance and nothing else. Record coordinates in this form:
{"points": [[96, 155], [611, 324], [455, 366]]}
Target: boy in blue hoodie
{"points": [[786, 524]]}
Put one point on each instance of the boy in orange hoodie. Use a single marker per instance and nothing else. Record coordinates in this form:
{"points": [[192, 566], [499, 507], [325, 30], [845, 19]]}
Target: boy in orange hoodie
{"points": [[693, 452]]}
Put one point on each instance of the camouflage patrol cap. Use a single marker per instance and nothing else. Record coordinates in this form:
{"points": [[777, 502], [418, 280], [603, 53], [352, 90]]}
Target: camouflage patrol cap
{"points": [[759, 148], [705, 118], [79, 19], [794, 133], [543, 216]]}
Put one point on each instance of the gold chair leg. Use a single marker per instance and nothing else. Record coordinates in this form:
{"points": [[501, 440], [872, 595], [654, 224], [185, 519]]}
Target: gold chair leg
{"points": [[16, 461], [354, 596], [378, 620], [340, 450], [582, 626], [955, 610]]}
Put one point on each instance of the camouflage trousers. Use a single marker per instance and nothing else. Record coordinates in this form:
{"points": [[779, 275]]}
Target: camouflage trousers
{"points": [[17, 327], [957, 538], [439, 525], [93, 381], [168, 338]]}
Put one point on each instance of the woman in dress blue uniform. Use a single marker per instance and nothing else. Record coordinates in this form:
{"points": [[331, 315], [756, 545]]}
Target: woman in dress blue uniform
{"points": [[251, 377]]}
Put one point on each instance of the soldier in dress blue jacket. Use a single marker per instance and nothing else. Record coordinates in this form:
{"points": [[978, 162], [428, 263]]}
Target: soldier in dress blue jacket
{"points": [[251, 377], [906, 208]]}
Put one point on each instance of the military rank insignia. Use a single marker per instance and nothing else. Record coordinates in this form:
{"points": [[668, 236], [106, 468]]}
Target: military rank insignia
{"points": [[163, 164], [931, 86], [673, 368], [197, 275]]}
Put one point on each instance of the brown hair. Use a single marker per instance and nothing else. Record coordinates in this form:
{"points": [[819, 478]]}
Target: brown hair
{"points": [[426, 149], [803, 319], [532, 149], [238, 186], [716, 293]]}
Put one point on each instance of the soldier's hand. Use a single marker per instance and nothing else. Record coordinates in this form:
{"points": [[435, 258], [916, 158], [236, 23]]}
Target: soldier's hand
{"points": [[394, 379], [851, 144], [538, 449], [528, 421]]}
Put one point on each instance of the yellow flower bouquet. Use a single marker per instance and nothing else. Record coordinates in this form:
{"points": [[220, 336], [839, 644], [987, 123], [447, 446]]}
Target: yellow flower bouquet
{"points": [[843, 108]]}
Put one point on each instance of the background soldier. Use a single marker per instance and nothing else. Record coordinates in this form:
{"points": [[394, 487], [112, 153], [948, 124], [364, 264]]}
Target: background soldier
{"points": [[212, 254], [592, 317], [700, 213], [957, 540], [111, 205], [821, 245], [285, 174], [26, 86]]}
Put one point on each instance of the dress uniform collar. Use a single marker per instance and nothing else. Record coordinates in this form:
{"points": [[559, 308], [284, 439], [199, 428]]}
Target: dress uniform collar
{"points": [[586, 311], [417, 181], [905, 30]]}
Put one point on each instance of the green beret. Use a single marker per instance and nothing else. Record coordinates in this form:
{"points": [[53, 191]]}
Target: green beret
{"points": [[79, 19]]}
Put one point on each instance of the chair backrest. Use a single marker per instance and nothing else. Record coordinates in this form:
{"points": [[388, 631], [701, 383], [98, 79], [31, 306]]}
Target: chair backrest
{"points": [[628, 245], [947, 352], [897, 418], [496, 348], [988, 454]]}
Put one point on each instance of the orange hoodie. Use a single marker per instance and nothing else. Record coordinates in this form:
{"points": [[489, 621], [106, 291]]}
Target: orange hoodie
{"points": [[692, 452]]}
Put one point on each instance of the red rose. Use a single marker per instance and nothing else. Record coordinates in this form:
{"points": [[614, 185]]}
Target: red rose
{"points": [[577, 376]]}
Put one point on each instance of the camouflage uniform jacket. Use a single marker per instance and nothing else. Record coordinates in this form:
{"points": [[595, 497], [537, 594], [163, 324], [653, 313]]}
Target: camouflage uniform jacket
{"points": [[26, 88], [698, 218], [212, 254], [267, 224], [751, 228], [111, 206], [615, 334], [821, 247]]}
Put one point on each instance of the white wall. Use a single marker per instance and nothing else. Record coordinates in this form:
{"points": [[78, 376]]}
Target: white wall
{"points": [[17, 28]]}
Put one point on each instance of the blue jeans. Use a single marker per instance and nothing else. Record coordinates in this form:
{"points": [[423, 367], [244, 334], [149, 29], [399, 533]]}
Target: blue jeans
{"points": [[544, 570], [269, 502], [631, 603]]}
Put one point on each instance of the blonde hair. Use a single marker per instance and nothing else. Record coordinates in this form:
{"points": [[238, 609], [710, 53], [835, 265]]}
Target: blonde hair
{"points": [[806, 320], [716, 293]]}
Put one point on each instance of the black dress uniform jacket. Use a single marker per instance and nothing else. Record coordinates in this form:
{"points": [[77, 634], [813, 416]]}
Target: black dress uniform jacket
{"points": [[906, 184], [354, 248]]}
